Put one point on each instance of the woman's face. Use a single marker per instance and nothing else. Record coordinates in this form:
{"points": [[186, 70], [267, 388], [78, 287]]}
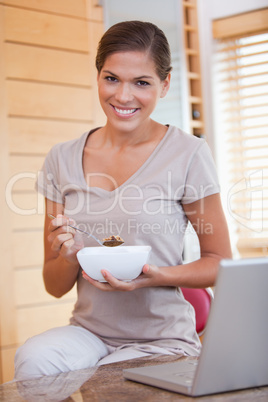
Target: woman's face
{"points": [[129, 89]]}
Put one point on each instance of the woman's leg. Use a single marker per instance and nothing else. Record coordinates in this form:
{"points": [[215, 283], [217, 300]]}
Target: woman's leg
{"points": [[58, 350]]}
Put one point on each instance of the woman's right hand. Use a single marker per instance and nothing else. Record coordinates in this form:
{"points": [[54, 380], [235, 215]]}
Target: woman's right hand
{"points": [[61, 244], [64, 240]]}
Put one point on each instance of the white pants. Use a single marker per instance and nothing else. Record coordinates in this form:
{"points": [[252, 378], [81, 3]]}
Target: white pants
{"points": [[69, 348]]}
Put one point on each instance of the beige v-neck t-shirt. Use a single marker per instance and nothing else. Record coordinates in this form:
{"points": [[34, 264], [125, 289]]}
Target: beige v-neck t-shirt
{"points": [[145, 210]]}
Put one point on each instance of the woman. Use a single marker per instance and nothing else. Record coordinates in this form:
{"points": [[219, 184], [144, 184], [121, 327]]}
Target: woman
{"points": [[144, 181]]}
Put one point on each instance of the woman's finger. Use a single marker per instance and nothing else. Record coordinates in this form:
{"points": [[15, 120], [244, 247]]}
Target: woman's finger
{"points": [[59, 240], [61, 221]]}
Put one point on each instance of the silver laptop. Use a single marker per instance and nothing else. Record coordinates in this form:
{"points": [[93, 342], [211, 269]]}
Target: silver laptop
{"points": [[235, 348]]}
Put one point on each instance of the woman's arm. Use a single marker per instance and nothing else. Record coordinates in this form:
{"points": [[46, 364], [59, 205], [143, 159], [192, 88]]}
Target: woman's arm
{"points": [[60, 263], [208, 220]]}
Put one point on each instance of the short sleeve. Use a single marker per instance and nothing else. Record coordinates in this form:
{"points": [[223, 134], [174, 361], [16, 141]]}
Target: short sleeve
{"points": [[48, 178], [201, 179]]}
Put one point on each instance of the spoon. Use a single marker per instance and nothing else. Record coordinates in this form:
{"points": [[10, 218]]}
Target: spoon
{"points": [[111, 242]]}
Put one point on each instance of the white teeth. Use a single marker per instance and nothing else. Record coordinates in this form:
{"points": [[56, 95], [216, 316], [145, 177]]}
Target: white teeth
{"points": [[125, 111]]}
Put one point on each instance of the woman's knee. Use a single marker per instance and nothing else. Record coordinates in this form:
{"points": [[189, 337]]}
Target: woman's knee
{"points": [[31, 361], [57, 351]]}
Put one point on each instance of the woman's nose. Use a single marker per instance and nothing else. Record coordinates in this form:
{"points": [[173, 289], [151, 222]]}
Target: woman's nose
{"points": [[124, 93]]}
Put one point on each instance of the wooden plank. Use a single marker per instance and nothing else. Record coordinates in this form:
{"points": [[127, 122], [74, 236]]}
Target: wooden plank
{"points": [[36, 28], [27, 211], [27, 222], [34, 320], [24, 171], [8, 354], [240, 25], [48, 65], [33, 290], [195, 99], [27, 249], [96, 30], [187, 4], [37, 136], [21, 190], [7, 308], [95, 33], [73, 8], [196, 124], [94, 10], [50, 101]]}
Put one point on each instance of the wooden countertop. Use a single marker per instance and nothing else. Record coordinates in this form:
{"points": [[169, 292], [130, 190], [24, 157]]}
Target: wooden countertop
{"points": [[106, 383]]}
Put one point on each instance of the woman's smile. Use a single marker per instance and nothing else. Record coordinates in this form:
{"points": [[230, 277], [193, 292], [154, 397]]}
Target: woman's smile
{"points": [[125, 112]]}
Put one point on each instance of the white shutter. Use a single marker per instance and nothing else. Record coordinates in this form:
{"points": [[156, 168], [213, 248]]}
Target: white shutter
{"points": [[241, 71]]}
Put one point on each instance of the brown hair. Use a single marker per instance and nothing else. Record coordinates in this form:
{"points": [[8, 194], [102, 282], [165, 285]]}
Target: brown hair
{"points": [[136, 36]]}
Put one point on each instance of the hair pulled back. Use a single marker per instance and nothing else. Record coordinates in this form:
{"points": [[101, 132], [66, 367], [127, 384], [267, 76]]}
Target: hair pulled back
{"points": [[141, 36]]}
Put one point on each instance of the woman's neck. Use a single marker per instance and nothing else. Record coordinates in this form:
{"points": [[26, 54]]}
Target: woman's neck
{"points": [[110, 137]]}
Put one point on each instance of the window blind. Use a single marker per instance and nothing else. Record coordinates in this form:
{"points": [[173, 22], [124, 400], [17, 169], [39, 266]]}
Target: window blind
{"points": [[241, 70]]}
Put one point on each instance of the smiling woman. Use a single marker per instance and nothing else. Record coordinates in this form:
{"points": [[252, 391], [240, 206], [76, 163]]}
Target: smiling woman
{"points": [[132, 74], [149, 180]]}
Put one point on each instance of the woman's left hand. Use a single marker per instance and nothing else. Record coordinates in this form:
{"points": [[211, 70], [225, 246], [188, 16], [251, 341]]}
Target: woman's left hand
{"points": [[149, 277]]}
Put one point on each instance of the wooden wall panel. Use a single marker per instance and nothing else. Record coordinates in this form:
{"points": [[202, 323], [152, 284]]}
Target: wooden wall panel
{"points": [[35, 28], [51, 101], [95, 33], [8, 355], [21, 195], [26, 222], [27, 211], [48, 95], [19, 164], [95, 12], [28, 248], [36, 319], [34, 295], [7, 307], [72, 8], [37, 136], [48, 65]]}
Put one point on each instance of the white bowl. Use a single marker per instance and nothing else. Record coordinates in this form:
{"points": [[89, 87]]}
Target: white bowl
{"points": [[123, 262]]}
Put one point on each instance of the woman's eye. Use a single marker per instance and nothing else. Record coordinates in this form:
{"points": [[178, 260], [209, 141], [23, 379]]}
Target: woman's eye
{"points": [[111, 79], [143, 83]]}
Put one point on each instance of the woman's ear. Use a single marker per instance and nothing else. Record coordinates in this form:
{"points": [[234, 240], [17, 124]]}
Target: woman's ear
{"points": [[165, 86]]}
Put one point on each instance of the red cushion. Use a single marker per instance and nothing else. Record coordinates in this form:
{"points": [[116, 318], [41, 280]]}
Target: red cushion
{"points": [[201, 301]]}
